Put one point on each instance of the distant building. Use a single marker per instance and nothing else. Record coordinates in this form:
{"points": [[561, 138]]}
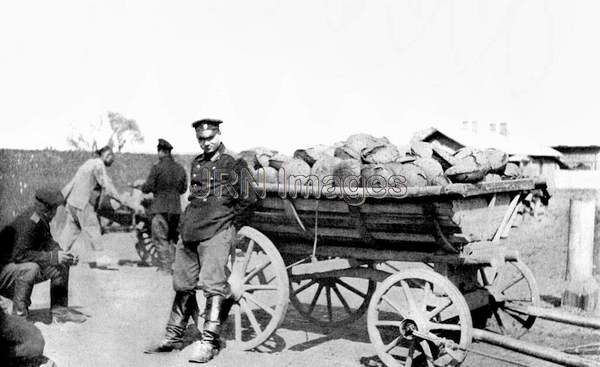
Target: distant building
{"points": [[534, 158], [582, 157]]}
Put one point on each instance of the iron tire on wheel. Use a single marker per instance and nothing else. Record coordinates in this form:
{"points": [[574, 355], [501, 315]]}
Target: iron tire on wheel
{"points": [[511, 283], [259, 283], [145, 247], [424, 315]]}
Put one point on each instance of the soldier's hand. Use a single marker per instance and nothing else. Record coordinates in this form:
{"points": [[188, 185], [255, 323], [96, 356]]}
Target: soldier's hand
{"points": [[65, 258], [75, 260]]}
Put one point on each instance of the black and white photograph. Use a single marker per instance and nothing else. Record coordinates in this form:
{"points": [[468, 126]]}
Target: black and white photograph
{"points": [[353, 183]]}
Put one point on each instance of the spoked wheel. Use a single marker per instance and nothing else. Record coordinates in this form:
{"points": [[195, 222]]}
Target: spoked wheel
{"points": [[259, 284], [510, 284], [144, 246], [419, 318], [331, 302]]}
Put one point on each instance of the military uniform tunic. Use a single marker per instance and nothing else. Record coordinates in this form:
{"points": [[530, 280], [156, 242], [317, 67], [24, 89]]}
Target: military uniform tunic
{"points": [[167, 181], [218, 204], [217, 195], [28, 239]]}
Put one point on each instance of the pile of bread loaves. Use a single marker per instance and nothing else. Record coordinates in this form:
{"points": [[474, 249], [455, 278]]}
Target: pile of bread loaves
{"points": [[376, 162]]}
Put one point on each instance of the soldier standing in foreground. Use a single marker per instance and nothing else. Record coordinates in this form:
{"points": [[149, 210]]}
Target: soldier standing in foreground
{"points": [[167, 181], [218, 205]]}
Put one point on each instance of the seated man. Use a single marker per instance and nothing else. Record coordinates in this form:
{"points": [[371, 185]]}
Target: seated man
{"points": [[29, 255]]}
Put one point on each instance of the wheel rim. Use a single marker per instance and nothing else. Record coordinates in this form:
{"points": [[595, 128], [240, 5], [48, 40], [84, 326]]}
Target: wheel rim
{"points": [[511, 283], [259, 284], [331, 302], [145, 247], [416, 317]]}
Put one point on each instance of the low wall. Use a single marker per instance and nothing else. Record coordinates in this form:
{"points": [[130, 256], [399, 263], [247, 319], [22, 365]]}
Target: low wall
{"points": [[23, 171]]}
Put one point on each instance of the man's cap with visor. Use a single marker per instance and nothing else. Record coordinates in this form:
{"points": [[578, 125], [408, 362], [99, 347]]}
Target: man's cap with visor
{"points": [[164, 145], [207, 128], [49, 196]]}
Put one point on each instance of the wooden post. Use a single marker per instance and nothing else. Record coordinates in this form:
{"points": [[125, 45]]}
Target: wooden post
{"points": [[582, 289]]}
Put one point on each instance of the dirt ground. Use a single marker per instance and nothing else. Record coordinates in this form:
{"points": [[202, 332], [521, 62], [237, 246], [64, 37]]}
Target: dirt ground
{"points": [[128, 308]]}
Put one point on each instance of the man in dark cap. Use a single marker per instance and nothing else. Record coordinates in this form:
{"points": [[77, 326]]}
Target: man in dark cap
{"points": [[82, 194], [166, 181], [217, 206], [30, 256]]}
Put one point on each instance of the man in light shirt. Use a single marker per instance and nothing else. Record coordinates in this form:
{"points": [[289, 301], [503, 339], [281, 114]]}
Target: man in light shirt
{"points": [[82, 194]]}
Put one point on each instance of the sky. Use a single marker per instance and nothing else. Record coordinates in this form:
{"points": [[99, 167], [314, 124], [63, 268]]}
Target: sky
{"points": [[291, 74]]}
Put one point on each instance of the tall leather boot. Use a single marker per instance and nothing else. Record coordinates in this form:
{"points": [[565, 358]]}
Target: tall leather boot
{"points": [[225, 308], [184, 307], [207, 348], [22, 297], [59, 297], [59, 289]]}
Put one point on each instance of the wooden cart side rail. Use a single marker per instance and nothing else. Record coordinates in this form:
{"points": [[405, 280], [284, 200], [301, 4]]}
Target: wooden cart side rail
{"points": [[379, 255], [458, 189]]}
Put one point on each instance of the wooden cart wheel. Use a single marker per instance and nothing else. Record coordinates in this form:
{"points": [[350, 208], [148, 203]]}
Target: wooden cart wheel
{"points": [[511, 283], [259, 284], [342, 300], [144, 246], [417, 317]]}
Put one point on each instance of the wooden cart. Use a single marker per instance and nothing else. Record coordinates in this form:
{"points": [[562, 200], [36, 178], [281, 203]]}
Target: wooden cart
{"points": [[125, 219], [436, 253]]}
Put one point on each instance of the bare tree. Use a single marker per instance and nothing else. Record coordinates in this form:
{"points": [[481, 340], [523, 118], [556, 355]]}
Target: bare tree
{"points": [[122, 131]]}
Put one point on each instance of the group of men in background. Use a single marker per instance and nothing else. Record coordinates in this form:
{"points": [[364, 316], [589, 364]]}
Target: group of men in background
{"points": [[29, 254]]}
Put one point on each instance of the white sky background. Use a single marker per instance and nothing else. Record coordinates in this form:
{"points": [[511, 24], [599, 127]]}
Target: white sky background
{"points": [[287, 75]]}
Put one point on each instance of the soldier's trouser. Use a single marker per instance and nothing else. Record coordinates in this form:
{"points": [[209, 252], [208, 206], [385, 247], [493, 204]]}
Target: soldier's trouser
{"points": [[81, 222], [20, 279], [200, 265], [164, 232], [203, 264], [12, 273], [16, 282]]}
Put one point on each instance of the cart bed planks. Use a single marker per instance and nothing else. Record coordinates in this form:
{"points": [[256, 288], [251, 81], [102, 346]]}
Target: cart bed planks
{"points": [[418, 220]]}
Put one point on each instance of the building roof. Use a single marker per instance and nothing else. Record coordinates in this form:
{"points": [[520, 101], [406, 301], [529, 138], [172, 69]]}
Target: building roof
{"points": [[568, 147], [512, 144]]}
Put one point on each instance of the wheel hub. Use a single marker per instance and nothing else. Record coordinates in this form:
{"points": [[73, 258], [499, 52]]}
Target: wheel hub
{"points": [[407, 328]]}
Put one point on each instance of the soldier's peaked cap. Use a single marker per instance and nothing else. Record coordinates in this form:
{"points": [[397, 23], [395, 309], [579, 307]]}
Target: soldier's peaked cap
{"points": [[49, 196], [207, 124], [164, 145]]}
